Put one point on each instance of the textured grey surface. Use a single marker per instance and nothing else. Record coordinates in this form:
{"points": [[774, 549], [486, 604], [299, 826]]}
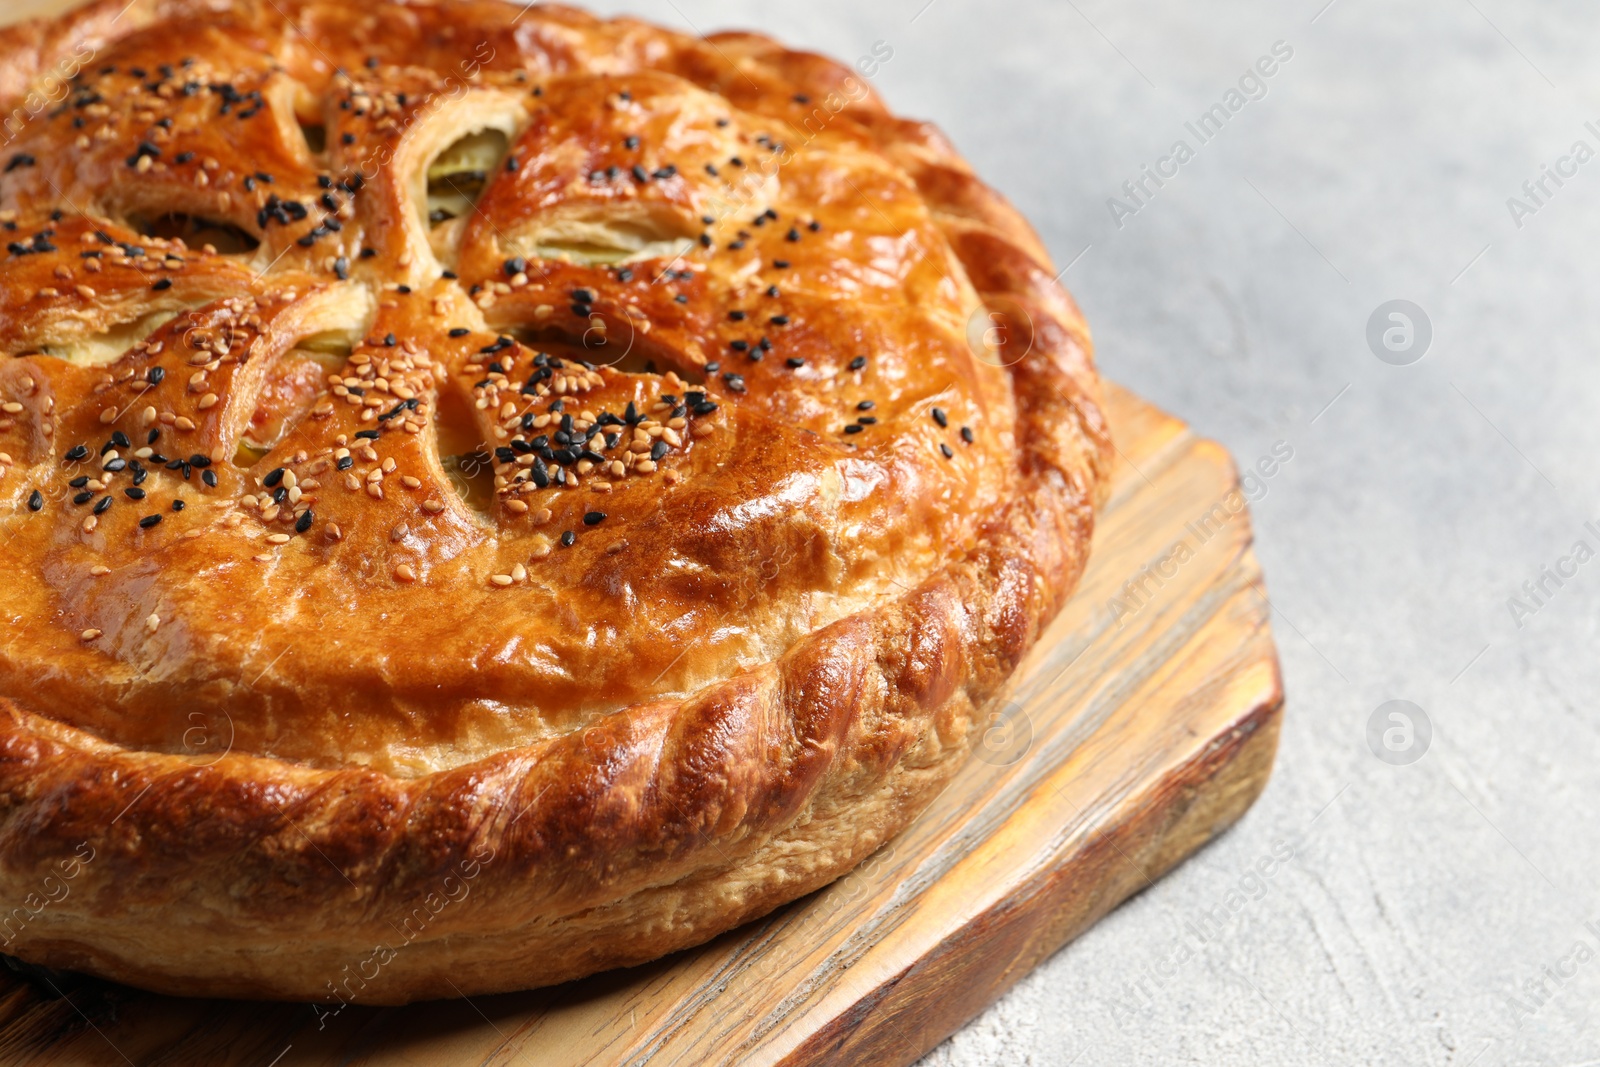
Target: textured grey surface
{"points": [[1419, 907]]}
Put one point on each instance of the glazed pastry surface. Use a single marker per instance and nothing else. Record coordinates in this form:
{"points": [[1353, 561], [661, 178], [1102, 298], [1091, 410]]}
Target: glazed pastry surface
{"points": [[588, 475]]}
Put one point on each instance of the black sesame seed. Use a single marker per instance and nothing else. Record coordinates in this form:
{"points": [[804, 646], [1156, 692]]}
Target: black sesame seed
{"points": [[853, 428], [79, 482], [83, 497], [149, 521], [134, 493], [100, 508], [940, 417], [568, 538], [210, 478], [858, 362], [303, 523], [273, 477], [155, 376], [460, 331], [946, 450], [966, 434], [162, 284], [78, 452], [177, 505], [120, 439], [736, 316], [116, 465], [594, 518], [795, 362], [36, 501]]}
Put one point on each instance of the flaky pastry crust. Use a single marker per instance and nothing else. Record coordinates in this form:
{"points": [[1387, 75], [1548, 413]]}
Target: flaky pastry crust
{"points": [[426, 581]]}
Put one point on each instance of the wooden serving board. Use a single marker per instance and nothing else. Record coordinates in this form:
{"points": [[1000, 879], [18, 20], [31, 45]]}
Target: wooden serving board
{"points": [[1143, 724]]}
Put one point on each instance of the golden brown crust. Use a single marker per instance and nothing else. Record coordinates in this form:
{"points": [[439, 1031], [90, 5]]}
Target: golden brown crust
{"points": [[352, 725]]}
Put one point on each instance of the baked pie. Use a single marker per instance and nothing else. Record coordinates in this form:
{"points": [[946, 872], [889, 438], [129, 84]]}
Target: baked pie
{"points": [[490, 494]]}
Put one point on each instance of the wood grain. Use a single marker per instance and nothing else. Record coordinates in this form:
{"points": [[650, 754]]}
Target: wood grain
{"points": [[1144, 724]]}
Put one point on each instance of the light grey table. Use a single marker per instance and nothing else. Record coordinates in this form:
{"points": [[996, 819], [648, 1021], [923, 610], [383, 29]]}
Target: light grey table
{"points": [[1432, 912]]}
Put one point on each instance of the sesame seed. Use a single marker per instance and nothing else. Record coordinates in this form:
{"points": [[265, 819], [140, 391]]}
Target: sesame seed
{"points": [[966, 434], [149, 521], [940, 417], [946, 450], [594, 518], [858, 362], [36, 501], [568, 538]]}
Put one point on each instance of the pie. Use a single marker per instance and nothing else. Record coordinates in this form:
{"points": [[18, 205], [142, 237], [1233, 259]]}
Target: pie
{"points": [[490, 494]]}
